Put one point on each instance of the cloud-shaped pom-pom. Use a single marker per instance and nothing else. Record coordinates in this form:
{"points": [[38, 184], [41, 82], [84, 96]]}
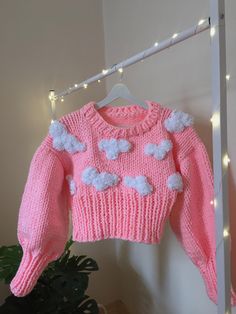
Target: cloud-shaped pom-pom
{"points": [[113, 147], [56, 129], [100, 181], [175, 182], [139, 183], [177, 121], [158, 151], [72, 184], [63, 140], [89, 174]]}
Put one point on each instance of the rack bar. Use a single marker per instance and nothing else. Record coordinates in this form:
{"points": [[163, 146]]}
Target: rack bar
{"points": [[200, 27], [220, 157]]}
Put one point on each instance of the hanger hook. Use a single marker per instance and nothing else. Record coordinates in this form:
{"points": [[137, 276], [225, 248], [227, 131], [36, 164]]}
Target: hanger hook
{"points": [[120, 71], [121, 76]]}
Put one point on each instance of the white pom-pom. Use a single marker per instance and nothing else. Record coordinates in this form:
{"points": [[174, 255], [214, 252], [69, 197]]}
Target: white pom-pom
{"points": [[100, 181], [56, 129], [175, 182], [63, 140], [72, 184], [139, 183], [158, 151], [113, 147], [177, 121], [89, 174]]}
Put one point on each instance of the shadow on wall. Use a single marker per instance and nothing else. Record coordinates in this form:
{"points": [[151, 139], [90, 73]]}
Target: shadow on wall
{"points": [[136, 293], [146, 272]]}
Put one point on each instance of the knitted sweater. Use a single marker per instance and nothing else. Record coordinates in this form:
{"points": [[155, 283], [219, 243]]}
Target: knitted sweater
{"points": [[121, 172]]}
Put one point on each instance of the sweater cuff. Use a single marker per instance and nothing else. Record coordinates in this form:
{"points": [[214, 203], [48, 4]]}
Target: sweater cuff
{"points": [[210, 278], [30, 269]]}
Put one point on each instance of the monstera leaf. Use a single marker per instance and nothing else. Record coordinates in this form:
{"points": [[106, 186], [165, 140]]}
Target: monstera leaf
{"points": [[60, 288], [10, 257]]}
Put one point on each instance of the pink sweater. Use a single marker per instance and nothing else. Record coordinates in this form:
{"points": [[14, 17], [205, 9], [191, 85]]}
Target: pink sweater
{"points": [[122, 171]]}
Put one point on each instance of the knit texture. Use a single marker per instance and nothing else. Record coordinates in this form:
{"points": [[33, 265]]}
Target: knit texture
{"points": [[122, 171]]}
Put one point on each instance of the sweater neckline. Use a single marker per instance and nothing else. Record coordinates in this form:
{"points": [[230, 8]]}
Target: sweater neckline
{"points": [[92, 114]]}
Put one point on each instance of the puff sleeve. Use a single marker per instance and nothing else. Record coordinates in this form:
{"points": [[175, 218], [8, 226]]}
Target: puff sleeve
{"points": [[43, 219], [192, 217]]}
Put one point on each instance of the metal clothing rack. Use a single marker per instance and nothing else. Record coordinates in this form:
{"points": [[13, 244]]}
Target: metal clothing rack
{"points": [[216, 24]]}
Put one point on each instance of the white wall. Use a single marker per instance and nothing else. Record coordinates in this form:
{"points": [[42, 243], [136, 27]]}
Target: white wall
{"points": [[161, 278], [45, 45]]}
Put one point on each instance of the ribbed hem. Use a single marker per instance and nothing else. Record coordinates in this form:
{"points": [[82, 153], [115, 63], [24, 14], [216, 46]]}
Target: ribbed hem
{"points": [[30, 269], [210, 279], [152, 114], [116, 215]]}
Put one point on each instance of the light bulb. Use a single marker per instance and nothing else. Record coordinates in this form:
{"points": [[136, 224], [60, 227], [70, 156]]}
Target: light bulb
{"points": [[51, 96], [104, 71], [225, 233], [85, 85], [212, 31], [227, 77], [175, 35], [215, 119], [213, 202], [121, 70], [226, 160], [76, 85], [99, 81], [201, 22], [156, 44], [62, 99]]}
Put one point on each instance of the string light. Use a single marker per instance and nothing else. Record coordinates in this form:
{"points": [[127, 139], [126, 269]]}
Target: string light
{"points": [[62, 99], [121, 70], [201, 22], [104, 71], [99, 81], [214, 202], [215, 120], [52, 121], [227, 77], [212, 31], [226, 160], [174, 35], [226, 233], [156, 44], [76, 85], [52, 96], [85, 85]]}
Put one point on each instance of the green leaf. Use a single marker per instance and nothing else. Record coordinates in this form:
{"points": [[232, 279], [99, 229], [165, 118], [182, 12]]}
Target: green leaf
{"points": [[59, 290], [88, 306], [10, 257], [16, 305], [69, 244], [88, 264]]}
